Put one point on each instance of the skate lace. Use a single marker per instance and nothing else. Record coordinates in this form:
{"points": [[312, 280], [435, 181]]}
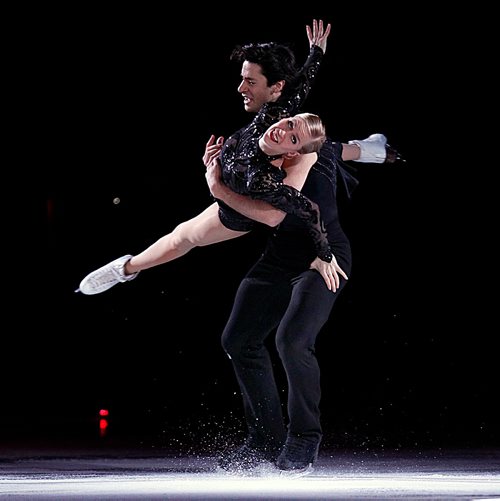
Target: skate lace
{"points": [[109, 274]]}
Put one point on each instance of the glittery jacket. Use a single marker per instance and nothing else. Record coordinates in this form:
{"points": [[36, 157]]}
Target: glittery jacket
{"points": [[247, 170]]}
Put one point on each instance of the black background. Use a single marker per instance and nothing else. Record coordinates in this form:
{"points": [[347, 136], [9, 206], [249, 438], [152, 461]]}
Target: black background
{"points": [[122, 103]]}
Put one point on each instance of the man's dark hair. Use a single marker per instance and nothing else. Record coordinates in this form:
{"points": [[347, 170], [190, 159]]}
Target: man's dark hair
{"points": [[276, 61]]}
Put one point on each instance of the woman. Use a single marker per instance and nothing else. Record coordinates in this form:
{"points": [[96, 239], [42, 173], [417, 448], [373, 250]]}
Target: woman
{"points": [[249, 161], [263, 176]]}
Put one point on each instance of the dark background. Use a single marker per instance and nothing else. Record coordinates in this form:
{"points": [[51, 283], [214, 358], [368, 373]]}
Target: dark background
{"points": [[123, 103]]}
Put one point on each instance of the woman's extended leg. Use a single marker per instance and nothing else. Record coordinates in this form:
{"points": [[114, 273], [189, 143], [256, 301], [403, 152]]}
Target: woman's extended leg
{"points": [[204, 229]]}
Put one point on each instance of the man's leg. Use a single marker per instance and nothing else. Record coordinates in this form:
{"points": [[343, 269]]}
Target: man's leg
{"points": [[309, 309], [257, 310]]}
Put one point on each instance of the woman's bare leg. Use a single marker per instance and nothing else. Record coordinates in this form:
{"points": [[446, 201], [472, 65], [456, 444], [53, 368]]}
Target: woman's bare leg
{"points": [[204, 229]]}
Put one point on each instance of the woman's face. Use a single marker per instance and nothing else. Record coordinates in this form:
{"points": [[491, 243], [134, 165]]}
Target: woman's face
{"points": [[287, 135]]}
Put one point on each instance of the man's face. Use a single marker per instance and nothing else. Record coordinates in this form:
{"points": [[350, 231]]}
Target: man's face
{"points": [[254, 88]]}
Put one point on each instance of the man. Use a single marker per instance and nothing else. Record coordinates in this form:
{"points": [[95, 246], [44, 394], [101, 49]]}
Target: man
{"points": [[283, 291]]}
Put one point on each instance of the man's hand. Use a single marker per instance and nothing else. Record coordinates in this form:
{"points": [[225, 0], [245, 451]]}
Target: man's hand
{"points": [[317, 35], [212, 175], [330, 272], [257, 210]]}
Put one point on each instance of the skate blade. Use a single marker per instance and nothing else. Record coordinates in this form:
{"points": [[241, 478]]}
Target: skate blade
{"points": [[297, 473]]}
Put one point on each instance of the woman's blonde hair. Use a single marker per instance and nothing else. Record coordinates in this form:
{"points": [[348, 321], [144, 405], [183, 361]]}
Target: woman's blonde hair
{"points": [[316, 129]]}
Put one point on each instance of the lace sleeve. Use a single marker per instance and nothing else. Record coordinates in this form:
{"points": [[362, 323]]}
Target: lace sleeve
{"points": [[265, 186]]}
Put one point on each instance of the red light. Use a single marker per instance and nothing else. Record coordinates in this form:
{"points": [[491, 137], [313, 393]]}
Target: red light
{"points": [[103, 422]]}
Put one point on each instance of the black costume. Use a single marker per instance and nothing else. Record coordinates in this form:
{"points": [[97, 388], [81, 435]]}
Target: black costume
{"points": [[281, 292]]}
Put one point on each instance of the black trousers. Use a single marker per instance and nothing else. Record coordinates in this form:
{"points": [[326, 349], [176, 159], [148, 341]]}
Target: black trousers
{"points": [[297, 305]]}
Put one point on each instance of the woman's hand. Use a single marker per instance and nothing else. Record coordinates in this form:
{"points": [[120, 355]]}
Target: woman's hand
{"points": [[212, 149], [330, 272]]}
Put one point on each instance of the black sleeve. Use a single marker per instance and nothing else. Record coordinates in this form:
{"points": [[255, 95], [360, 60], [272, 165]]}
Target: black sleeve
{"points": [[292, 99], [304, 80]]}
